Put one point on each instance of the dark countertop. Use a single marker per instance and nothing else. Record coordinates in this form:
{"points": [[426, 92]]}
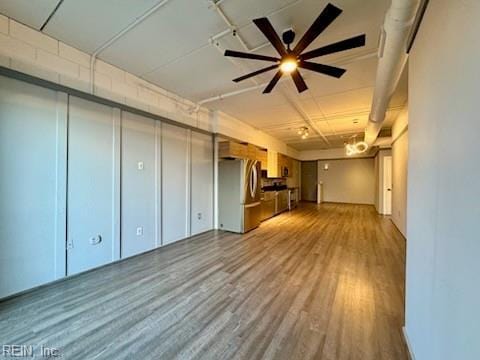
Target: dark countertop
{"points": [[274, 188]]}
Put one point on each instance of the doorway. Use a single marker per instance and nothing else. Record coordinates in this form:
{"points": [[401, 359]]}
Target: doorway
{"points": [[309, 181], [387, 185]]}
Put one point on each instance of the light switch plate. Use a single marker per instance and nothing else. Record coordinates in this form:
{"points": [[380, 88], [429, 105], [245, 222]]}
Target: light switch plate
{"points": [[140, 165], [139, 231]]}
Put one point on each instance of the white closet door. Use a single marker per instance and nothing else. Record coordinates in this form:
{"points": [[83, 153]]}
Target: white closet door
{"points": [[139, 184], [93, 185], [202, 183], [175, 184], [32, 185]]}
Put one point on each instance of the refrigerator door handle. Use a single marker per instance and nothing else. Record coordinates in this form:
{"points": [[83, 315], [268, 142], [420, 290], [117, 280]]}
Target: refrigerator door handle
{"points": [[253, 180]]}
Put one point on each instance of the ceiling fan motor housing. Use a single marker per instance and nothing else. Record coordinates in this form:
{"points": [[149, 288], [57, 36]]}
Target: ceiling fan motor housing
{"points": [[288, 36]]}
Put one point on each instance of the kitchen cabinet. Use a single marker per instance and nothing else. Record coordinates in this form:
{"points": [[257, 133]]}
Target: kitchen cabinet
{"points": [[231, 149], [294, 172], [251, 152], [268, 201], [273, 170], [234, 150], [282, 201], [279, 165], [262, 156]]}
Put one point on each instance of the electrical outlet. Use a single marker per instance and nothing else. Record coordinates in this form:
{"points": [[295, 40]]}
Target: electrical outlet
{"points": [[199, 216], [139, 231]]}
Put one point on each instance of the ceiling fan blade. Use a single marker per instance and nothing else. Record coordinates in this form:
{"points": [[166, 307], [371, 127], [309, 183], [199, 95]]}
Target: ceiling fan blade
{"points": [[328, 15], [255, 73], [273, 82], [243, 55], [323, 69], [267, 29], [299, 82], [347, 44]]}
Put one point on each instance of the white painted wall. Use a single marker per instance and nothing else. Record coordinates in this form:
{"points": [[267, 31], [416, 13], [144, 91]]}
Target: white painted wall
{"points": [[140, 184], [33, 123], [400, 171], [442, 292], [348, 181], [32, 52], [330, 154], [175, 183], [202, 183], [93, 190], [37, 126]]}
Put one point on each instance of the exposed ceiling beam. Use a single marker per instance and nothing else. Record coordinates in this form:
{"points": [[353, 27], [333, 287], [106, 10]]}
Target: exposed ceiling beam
{"points": [[295, 104], [51, 15]]}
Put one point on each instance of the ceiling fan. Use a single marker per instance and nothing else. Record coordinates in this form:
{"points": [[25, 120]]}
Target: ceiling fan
{"points": [[290, 60]]}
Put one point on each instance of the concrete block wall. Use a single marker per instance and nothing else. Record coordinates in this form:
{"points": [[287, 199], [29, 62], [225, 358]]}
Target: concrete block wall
{"points": [[29, 51]]}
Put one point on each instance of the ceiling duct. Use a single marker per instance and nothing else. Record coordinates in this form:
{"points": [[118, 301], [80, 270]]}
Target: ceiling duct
{"points": [[392, 59]]}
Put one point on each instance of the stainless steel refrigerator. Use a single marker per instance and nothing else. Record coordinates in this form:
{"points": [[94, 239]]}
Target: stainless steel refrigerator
{"points": [[239, 207]]}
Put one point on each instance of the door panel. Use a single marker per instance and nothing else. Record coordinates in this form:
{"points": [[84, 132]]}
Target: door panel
{"points": [[387, 185], [202, 183], [32, 185], [309, 181], [175, 185], [139, 181], [93, 185]]}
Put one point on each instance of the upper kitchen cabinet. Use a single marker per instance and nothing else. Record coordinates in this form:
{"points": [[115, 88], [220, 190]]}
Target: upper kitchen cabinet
{"points": [[234, 150], [175, 183], [33, 125], [93, 235], [262, 156], [279, 165], [231, 149]]}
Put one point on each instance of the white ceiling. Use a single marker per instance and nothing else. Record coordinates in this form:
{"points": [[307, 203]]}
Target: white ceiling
{"points": [[171, 48], [32, 13]]}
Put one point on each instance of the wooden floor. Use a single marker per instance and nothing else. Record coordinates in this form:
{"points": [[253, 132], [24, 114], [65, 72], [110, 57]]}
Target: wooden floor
{"points": [[321, 282]]}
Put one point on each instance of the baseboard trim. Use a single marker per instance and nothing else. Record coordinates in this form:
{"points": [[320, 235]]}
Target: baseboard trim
{"points": [[407, 341]]}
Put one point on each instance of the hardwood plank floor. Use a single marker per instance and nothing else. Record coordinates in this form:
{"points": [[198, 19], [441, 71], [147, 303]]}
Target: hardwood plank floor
{"points": [[322, 282]]}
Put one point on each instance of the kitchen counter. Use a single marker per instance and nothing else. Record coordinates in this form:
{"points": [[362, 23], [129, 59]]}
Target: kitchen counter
{"points": [[274, 188], [274, 201]]}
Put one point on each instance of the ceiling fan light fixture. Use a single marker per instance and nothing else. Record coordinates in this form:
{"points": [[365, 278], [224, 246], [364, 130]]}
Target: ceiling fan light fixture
{"points": [[350, 150], [356, 148], [291, 59], [288, 65], [303, 132]]}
